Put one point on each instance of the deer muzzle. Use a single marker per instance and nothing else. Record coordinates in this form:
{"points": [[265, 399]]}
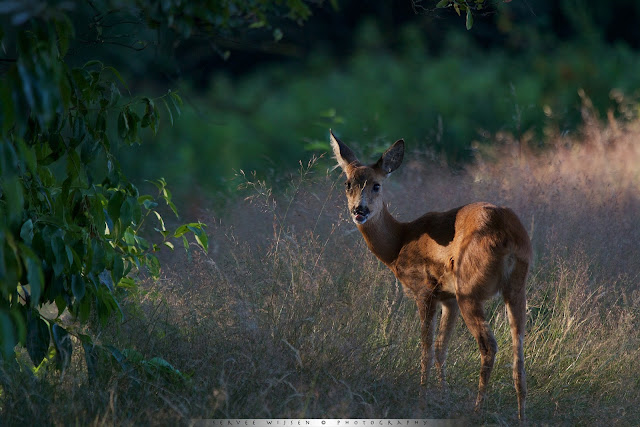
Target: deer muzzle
{"points": [[360, 214]]}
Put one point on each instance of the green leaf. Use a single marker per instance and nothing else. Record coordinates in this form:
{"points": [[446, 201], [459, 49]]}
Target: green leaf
{"points": [[59, 253], [35, 277], [149, 115], [77, 287], [200, 235], [127, 283], [99, 258], [26, 232], [149, 204], [61, 304], [442, 3], [173, 207], [118, 357], [129, 238], [133, 356], [101, 123], [146, 120], [38, 338], [123, 125], [65, 31], [133, 120], [142, 243], [469, 19], [114, 95], [118, 269], [169, 110], [161, 221], [118, 76], [153, 265], [93, 62], [114, 205], [70, 256], [76, 169], [181, 230], [107, 305], [185, 242], [62, 343], [176, 101], [169, 245], [144, 199], [137, 211], [126, 211], [79, 132], [155, 120]]}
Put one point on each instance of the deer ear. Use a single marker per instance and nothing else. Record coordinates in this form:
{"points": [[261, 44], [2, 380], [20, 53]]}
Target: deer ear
{"points": [[345, 157], [392, 158]]}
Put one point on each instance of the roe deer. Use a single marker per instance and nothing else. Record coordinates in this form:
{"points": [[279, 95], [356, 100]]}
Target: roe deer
{"points": [[457, 259]]}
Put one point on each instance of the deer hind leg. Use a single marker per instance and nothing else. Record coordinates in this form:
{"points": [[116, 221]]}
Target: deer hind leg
{"points": [[427, 309], [516, 302], [447, 324], [474, 317]]}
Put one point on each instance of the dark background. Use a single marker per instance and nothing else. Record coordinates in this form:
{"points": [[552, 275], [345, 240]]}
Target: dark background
{"points": [[374, 71]]}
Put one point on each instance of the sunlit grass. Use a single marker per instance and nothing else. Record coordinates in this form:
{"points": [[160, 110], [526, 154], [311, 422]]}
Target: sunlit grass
{"points": [[290, 315]]}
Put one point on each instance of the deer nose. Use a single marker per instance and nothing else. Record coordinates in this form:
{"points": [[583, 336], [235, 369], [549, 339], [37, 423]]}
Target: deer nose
{"points": [[360, 214], [361, 210]]}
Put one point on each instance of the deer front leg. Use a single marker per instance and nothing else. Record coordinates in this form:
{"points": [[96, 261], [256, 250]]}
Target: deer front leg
{"points": [[427, 309]]}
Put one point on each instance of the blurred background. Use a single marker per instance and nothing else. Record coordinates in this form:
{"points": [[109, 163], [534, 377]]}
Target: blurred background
{"points": [[264, 99]]}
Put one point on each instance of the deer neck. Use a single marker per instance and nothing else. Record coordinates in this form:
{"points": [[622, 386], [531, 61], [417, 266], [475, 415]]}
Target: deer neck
{"points": [[383, 235]]}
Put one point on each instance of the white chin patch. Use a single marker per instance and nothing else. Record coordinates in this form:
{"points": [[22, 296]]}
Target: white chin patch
{"points": [[360, 219]]}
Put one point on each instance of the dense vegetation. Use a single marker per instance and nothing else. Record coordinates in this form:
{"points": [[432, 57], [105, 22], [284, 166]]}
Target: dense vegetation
{"points": [[74, 230], [452, 102]]}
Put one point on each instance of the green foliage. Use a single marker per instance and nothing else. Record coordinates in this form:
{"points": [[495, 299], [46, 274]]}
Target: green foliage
{"points": [[447, 103], [73, 228]]}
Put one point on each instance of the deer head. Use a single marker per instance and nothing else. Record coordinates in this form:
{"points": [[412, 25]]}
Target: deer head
{"points": [[364, 183]]}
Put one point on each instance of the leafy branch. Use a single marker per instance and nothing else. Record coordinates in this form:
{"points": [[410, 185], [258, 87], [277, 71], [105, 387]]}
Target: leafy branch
{"points": [[73, 228], [468, 7]]}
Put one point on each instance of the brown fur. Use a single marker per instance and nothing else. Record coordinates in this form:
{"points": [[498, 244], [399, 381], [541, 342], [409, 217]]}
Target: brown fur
{"points": [[456, 259]]}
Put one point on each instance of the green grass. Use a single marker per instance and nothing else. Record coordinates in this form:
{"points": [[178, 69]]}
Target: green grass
{"points": [[289, 315]]}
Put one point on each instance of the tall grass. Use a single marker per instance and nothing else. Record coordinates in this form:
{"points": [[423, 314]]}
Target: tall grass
{"points": [[289, 315]]}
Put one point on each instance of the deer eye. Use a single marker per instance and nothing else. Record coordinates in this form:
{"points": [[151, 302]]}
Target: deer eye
{"points": [[376, 188]]}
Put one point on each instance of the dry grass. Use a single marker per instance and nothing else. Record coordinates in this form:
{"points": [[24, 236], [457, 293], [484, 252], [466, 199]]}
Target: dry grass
{"points": [[289, 315]]}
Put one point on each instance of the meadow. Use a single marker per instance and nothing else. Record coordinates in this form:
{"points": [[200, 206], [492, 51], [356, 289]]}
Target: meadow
{"points": [[290, 315]]}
